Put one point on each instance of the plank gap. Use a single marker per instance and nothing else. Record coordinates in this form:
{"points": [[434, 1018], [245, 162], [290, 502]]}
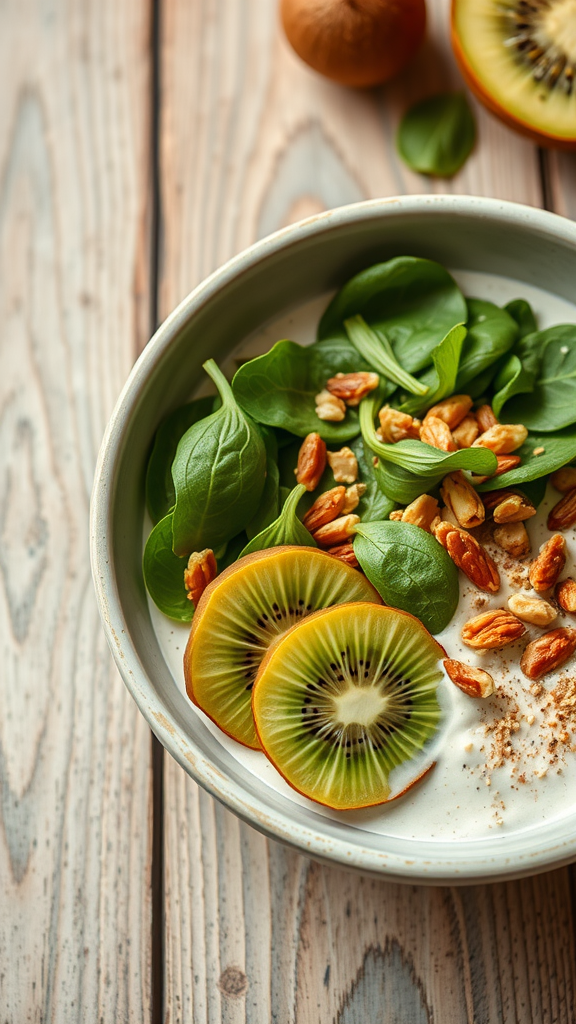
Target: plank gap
{"points": [[545, 181]]}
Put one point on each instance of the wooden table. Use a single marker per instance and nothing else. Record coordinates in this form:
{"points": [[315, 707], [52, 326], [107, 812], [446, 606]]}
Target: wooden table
{"points": [[142, 143]]}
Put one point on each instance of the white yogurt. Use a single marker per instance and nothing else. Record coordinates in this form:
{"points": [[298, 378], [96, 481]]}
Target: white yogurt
{"points": [[468, 795]]}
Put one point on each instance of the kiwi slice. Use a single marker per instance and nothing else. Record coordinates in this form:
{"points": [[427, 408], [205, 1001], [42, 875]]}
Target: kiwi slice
{"points": [[247, 607], [345, 704], [519, 57]]}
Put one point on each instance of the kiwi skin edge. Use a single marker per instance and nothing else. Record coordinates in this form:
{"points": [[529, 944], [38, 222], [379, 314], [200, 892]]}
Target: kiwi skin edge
{"points": [[539, 137], [276, 643]]}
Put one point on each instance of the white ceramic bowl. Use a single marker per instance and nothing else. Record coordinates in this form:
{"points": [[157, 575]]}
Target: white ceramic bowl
{"points": [[283, 271]]}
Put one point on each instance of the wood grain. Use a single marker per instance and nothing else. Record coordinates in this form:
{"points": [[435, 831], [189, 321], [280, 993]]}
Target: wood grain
{"points": [[250, 140], [75, 779]]}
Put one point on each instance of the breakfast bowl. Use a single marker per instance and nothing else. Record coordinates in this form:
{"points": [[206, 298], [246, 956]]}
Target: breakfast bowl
{"points": [[479, 815]]}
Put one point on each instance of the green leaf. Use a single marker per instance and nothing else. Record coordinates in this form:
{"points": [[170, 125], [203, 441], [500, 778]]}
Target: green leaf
{"points": [[441, 378], [374, 505], [160, 494], [232, 551], [559, 449], [164, 573], [278, 388], [269, 506], [286, 529], [218, 472], [400, 486], [436, 135], [491, 333], [377, 351], [410, 570], [512, 379], [552, 404], [413, 302], [521, 311]]}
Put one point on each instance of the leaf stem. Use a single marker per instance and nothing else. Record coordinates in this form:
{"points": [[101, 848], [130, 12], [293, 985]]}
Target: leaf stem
{"points": [[224, 389], [377, 351]]}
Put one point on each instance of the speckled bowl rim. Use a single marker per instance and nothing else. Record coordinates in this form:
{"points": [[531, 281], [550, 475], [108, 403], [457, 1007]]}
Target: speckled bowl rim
{"points": [[401, 862]]}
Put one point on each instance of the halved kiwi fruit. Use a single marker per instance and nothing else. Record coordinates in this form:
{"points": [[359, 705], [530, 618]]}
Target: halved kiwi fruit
{"points": [[519, 58], [345, 704], [247, 607]]}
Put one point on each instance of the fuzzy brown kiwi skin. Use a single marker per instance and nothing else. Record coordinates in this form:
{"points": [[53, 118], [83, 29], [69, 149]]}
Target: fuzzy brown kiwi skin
{"points": [[541, 138], [273, 646], [230, 571]]}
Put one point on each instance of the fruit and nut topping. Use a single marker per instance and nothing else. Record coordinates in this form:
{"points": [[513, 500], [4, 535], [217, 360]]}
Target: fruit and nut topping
{"points": [[344, 466], [473, 681], [329, 407], [351, 388], [566, 595], [548, 652], [549, 563], [469, 555], [199, 572], [311, 461], [493, 629], [563, 515], [534, 610]]}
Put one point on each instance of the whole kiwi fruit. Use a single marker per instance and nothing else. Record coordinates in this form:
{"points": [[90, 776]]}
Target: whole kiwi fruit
{"points": [[355, 42]]}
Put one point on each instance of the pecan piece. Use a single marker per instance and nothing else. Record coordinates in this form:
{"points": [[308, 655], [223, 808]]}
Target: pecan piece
{"points": [[327, 507], [548, 652], [502, 438], [563, 514], [548, 564], [466, 432], [463, 500], [566, 595], [352, 387], [492, 630], [505, 462], [421, 512], [452, 410], [329, 408], [513, 538], [199, 572], [564, 479], [311, 461], [397, 426], [514, 508], [534, 610], [352, 498], [337, 532], [396, 516], [473, 681], [344, 465], [437, 434], [469, 556], [345, 552], [486, 418]]}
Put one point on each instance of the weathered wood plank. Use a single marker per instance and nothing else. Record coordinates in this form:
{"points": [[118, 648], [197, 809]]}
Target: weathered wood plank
{"points": [[75, 779], [252, 140]]}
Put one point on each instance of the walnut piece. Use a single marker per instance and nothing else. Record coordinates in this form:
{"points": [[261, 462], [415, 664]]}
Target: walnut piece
{"points": [[199, 572], [534, 610], [548, 652], [502, 438], [329, 408], [344, 466], [352, 498], [352, 387], [396, 516], [451, 410], [548, 564], [563, 514], [437, 433], [463, 500], [337, 532], [564, 479], [311, 461], [397, 426], [466, 432], [473, 681], [468, 555], [327, 507], [492, 630], [566, 595], [513, 508], [513, 538], [421, 512], [345, 552]]}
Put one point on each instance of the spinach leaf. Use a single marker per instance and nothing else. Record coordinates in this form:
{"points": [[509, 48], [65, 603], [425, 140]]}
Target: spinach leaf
{"points": [[232, 551], [164, 573], [286, 529], [552, 404], [269, 506], [559, 449], [521, 311], [491, 333], [535, 490], [400, 486], [160, 494], [218, 473], [413, 302], [374, 504], [377, 351], [410, 570], [441, 378], [436, 135], [512, 379], [278, 388]]}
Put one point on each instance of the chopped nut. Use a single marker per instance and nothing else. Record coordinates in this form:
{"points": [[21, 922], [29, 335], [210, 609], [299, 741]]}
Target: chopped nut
{"points": [[548, 564], [505, 462], [473, 681], [514, 508], [435, 524], [548, 652], [486, 418], [352, 387], [564, 479], [502, 438], [344, 466], [337, 532], [451, 410], [397, 426], [493, 498], [513, 538], [563, 514], [447, 516], [437, 434], [352, 499], [311, 461], [345, 552], [463, 500], [469, 556], [325, 509], [396, 516], [329, 408], [466, 432], [199, 572], [532, 609], [538, 451], [493, 629], [566, 595], [421, 512]]}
